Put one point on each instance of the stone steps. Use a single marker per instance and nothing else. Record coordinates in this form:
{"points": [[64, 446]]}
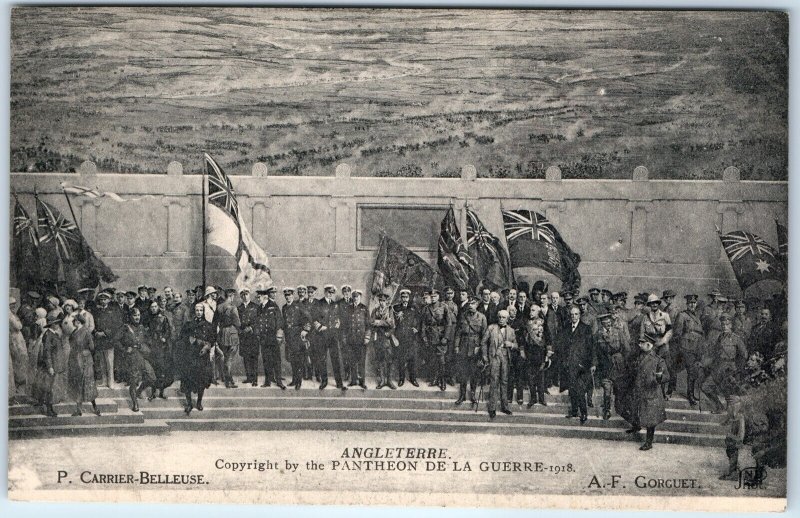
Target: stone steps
{"points": [[39, 432], [105, 405], [118, 416]]}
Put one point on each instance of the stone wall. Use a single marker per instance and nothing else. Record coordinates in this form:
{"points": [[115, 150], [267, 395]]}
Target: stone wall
{"points": [[636, 234]]}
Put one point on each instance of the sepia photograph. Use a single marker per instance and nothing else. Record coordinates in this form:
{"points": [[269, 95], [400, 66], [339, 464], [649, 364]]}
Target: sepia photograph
{"points": [[469, 258]]}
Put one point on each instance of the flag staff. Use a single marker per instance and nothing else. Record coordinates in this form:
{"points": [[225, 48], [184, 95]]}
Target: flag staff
{"points": [[204, 201]]}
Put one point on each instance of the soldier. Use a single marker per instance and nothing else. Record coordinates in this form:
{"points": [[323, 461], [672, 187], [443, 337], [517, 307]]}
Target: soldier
{"points": [[383, 323], [611, 350], [666, 304], [345, 305], [605, 297], [588, 315], [194, 353], [326, 324], [711, 310], [308, 364], [619, 323], [496, 344], [228, 322], [248, 344], [139, 371], [359, 338], [407, 332], [648, 408], [658, 325], [268, 332], [537, 352], [576, 351], [108, 323], [296, 326], [142, 300], [437, 324], [302, 294], [563, 310], [637, 315], [466, 347], [594, 306], [312, 293], [742, 325], [723, 364], [689, 338]]}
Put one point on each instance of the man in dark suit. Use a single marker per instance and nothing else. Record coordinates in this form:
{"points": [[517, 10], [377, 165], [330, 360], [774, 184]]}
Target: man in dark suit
{"points": [[268, 332], [487, 307], [578, 362], [326, 324]]}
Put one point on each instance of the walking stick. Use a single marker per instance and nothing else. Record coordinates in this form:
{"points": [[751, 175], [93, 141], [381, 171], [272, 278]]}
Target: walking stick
{"points": [[596, 409]]}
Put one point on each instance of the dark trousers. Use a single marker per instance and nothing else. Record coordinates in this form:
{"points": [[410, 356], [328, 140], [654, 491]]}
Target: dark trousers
{"points": [[297, 356], [537, 381], [516, 375], [578, 389], [407, 358], [358, 360], [326, 343], [684, 359], [466, 372], [271, 359]]}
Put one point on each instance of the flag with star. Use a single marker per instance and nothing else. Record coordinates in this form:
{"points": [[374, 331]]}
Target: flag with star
{"points": [[226, 230], [783, 243], [492, 267], [752, 258], [66, 261], [454, 261], [534, 242]]}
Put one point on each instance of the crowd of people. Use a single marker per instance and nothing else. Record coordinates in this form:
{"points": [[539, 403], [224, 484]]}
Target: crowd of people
{"points": [[509, 342]]}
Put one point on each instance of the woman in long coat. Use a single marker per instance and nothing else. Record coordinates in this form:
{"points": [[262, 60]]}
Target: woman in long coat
{"points": [[18, 362], [138, 371], [648, 409], [81, 385], [47, 360], [159, 330], [194, 359]]}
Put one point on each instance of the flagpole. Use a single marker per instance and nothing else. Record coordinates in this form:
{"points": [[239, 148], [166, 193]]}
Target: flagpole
{"points": [[204, 201], [55, 242]]}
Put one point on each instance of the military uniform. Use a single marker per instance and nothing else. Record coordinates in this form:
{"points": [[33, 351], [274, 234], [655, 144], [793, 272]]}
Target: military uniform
{"points": [[611, 350], [648, 409], [228, 323], [407, 332], [466, 344], [266, 326], [248, 344], [325, 317], [690, 348], [723, 362], [345, 308], [742, 326], [659, 326], [437, 326], [358, 335], [383, 323], [159, 330], [296, 326]]}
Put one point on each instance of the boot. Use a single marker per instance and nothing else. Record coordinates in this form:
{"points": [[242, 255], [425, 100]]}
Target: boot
{"points": [[362, 384], [390, 384], [690, 393], [189, 405], [462, 394], [606, 407], [95, 409], [77, 412], [152, 394], [472, 398], [50, 411], [442, 379], [133, 393], [161, 394]]}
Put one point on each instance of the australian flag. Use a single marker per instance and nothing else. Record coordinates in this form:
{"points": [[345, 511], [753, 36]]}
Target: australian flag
{"points": [[752, 258], [454, 261], [783, 243], [492, 266], [534, 241]]}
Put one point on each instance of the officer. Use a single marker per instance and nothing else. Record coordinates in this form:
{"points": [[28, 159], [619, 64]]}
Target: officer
{"points": [[296, 326], [657, 324], [312, 293], [466, 346], [358, 333], [594, 306], [723, 364], [588, 314], [449, 302], [308, 364], [496, 344], [667, 297], [407, 332], [437, 325], [268, 332], [742, 325], [108, 322], [346, 308], [605, 297], [637, 315], [228, 324], [611, 350], [690, 341], [326, 324], [248, 344], [143, 300], [647, 404], [383, 323]]}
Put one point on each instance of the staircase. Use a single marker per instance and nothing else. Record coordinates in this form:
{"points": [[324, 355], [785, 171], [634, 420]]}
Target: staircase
{"points": [[406, 409], [27, 422]]}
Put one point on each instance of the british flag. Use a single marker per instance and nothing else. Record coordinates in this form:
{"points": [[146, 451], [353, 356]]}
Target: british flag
{"points": [[55, 228], [492, 266], [752, 258], [220, 189], [519, 223], [23, 226]]}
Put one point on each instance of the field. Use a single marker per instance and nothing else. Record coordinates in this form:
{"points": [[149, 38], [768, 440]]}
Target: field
{"points": [[401, 93]]}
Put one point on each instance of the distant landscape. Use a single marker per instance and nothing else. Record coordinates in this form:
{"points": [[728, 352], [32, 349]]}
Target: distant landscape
{"points": [[400, 92]]}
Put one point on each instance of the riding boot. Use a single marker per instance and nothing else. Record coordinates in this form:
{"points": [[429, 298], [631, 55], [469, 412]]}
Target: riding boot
{"points": [[606, 407], [133, 393], [690, 392], [199, 404], [442, 379], [189, 404], [462, 394], [94, 408]]}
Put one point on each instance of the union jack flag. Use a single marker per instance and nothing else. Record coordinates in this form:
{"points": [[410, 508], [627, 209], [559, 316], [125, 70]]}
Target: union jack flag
{"points": [[220, 189], [520, 223], [739, 243], [492, 266], [23, 225], [55, 228]]}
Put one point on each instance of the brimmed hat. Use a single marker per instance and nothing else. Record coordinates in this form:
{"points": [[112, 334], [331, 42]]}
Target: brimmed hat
{"points": [[383, 295], [287, 289], [346, 287], [594, 290], [70, 302], [329, 287], [301, 287], [691, 297], [358, 292], [209, 291], [652, 299], [668, 293], [104, 295]]}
